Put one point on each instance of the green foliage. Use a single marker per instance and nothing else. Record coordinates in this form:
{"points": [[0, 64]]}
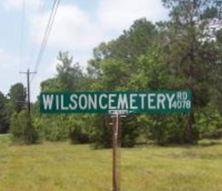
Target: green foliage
{"points": [[114, 74], [17, 95], [69, 75], [80, 130], [177, 54], [192, 54], [182, 52], [209, 123], [103, 127], [53, 128], [51, 85], [164, 129], [4, 114], [102, 131], [152, 72], [115, 67], [62, 127], [22, 129], [129, 131]]}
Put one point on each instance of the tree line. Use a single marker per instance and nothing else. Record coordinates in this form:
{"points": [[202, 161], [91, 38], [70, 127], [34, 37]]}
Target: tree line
{"points": [[181, 53]]}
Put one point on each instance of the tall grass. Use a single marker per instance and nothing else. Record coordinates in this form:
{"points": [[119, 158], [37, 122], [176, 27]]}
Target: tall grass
{"points": [[65, 167]]}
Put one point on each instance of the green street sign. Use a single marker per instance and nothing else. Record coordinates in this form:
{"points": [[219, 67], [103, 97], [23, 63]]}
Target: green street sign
{"points": [[150, 101]]}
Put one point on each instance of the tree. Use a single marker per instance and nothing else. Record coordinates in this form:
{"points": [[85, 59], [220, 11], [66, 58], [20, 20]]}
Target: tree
{"points": [[152, 71], [4, 114], [69, 75], [190, 53], [216, 73], [125, 49], [17, 95], [114, 66], [22, 129], [178, 54]]}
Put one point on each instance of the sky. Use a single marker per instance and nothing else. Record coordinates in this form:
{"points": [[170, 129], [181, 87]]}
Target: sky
{"points": [[80, 26]]}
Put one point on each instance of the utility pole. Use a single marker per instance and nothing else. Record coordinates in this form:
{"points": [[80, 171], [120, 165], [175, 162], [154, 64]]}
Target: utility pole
{"points": [[28, 89]]}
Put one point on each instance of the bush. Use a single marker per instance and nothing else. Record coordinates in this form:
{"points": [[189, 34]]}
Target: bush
{"points": [[168, 129], [209, 122], [103, 127], [22, 129], [130, 130], [216, 134], [64, 127], [102, 131], [53, 127], [78, 132]]}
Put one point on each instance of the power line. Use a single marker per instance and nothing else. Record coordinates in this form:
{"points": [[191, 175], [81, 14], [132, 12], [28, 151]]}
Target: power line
{"points": [[46, 34], [21, 40], [41, 7]]}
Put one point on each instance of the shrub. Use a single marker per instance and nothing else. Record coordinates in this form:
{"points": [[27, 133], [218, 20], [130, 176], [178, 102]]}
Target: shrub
{"points": [[168, 129], [216, 134], [103, 127], [102, 131], [78, 133], [53, 127], [130, 130], [209, 123], [22, 129]]}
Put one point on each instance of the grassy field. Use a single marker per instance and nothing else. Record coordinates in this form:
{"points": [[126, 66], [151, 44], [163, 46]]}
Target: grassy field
{"points": [[64, 167]]}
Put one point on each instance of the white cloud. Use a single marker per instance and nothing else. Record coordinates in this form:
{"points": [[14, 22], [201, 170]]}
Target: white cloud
{"points": [[18, 4], [77, 29], [119, 14], [72, 29], [80, 31], [9, 70]]}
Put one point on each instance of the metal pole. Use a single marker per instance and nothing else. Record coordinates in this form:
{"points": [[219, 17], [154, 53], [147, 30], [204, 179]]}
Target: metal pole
{"points": [[115, 160]]}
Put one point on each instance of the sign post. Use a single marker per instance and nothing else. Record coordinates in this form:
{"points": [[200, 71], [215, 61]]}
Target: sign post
{"points": [[116, 183], [117, 103]]}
